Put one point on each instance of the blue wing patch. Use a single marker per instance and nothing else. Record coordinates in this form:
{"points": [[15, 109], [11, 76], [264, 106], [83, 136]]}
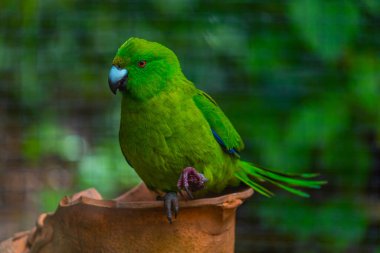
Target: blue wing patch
{"points": [[231, 151]]}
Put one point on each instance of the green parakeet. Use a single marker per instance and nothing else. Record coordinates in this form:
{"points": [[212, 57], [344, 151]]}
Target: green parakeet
{"points": [[175, 136]]}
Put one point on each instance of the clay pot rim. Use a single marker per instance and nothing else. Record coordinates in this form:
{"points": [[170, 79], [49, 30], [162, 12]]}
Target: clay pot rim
{"points": [[229, 200]]}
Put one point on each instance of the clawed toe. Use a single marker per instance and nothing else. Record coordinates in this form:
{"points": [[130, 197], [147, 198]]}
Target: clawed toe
{"points": [[171, 205], [189, 194], [191, 180]]}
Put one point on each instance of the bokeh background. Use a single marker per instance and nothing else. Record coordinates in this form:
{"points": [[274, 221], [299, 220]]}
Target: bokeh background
{"points": [[300, 80]]}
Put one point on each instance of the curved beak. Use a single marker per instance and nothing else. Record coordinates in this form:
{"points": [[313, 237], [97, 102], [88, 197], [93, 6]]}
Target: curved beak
{"points": [[117, 78]]}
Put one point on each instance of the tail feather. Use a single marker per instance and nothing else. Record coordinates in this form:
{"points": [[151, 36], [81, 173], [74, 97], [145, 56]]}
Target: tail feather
{"points": [[287, 174], [260, 189], [249, 174]]}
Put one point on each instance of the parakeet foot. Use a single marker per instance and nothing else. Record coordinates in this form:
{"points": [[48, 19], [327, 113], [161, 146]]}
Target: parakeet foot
{"points": [[191, 180], [171, 205]]}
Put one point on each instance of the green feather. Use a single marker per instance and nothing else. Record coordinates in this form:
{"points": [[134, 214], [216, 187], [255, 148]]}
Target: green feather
{"points": [[218, 121], [166, 126], [279, 179], [260, 189]]}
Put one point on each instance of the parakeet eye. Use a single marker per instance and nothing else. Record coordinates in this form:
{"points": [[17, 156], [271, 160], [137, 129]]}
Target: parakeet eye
{"points": [[141, 64]]}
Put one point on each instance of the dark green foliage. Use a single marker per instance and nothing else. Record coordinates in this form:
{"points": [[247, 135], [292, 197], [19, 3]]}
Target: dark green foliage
{"points": [[299, 80]]}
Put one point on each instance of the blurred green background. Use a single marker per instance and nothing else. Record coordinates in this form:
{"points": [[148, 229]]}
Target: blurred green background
{"points": [[300, 80]]}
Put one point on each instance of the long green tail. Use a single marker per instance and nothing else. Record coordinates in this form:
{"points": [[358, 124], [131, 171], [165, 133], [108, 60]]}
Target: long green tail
{"points": [[252, 176]]}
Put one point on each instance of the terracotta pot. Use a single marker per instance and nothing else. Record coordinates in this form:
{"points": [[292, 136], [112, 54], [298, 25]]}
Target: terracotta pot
{"points": [[133, 222]]}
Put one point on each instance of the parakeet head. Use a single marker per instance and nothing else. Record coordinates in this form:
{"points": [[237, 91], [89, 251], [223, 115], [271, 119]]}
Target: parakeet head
{"points": [[143, 69]]}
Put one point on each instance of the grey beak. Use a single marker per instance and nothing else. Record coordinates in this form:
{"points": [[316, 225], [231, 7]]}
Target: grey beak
{"points": [[117, 78]]}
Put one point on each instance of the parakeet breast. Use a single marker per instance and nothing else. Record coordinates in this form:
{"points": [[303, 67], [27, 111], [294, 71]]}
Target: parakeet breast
{"points": [[162, 136]]}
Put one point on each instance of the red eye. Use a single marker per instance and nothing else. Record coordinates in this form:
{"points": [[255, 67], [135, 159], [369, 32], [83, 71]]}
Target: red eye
{"points": [[141, 64]]}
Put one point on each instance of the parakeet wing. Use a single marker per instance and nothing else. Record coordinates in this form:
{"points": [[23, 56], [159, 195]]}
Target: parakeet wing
{"points": [[222, 129]]}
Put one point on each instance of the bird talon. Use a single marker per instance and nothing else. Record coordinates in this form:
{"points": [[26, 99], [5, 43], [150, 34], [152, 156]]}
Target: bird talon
{"points": [[191, 180], [171, 206], [188, 192]]}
